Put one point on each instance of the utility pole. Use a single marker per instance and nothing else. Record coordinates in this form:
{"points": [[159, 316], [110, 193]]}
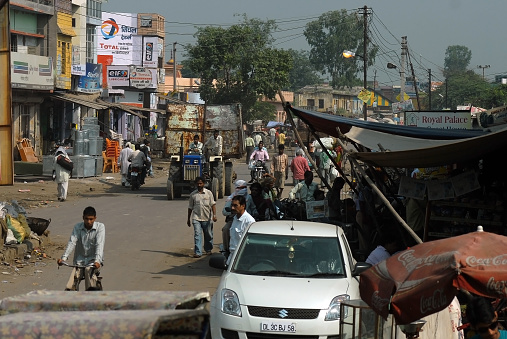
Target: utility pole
{"points": [[174, 67], [365, 55], [429, 87], [402, 67], [483, 67], [414, 81]]}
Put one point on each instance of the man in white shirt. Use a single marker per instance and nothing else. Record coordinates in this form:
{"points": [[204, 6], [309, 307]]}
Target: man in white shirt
{"points": [[272, 136], [241, 221], [214, 144]]}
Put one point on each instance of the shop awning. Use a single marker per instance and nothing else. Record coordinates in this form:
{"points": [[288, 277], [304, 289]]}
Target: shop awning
{"points": [[126, 108], [66, 30], [328, 123], [80, 100], [143, 109], [438, 153]]}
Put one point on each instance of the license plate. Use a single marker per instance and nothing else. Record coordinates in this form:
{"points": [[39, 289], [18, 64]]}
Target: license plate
{"points": [[134, 174], [269, 326]]}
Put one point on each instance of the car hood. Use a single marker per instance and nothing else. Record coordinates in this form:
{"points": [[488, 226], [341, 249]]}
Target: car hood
{"points": [[289, 292]]}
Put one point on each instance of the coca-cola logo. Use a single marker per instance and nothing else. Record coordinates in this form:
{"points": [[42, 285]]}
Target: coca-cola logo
{"points": [[411, 262], [433, 303], [377, 302], [500, 260], [499, 286]]}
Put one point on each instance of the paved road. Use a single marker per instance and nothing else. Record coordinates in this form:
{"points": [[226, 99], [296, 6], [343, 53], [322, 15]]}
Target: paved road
{"points": [[148, 243]]}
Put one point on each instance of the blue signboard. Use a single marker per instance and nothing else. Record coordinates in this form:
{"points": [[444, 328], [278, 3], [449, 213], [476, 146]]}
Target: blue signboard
{"points": [[92, 81]]}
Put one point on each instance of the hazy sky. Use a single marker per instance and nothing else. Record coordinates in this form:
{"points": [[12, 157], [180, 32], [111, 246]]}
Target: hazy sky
{"points": [[430, 26]]}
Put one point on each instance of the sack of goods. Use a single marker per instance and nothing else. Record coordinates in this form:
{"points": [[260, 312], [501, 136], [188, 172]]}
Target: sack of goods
{"points": [[65, 162]]}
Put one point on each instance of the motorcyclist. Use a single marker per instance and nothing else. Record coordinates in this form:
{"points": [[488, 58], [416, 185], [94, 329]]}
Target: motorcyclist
{"points": [[259, 154], [138, 159]]}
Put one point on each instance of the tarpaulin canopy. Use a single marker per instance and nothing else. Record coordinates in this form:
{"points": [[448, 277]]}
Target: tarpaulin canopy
{"points": [[327, 123], [432, 153], [274, 124]]}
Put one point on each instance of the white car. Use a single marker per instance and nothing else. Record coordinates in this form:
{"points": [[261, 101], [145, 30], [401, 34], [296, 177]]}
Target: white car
{"points": [[285, 278]]}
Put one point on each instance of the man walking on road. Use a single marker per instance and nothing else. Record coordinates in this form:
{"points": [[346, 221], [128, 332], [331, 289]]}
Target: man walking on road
{"points": [[62, 175], [123, 163], [249, 146], [280, 170], [201, 205], [299, 166], [241, 221], [88, 238]]}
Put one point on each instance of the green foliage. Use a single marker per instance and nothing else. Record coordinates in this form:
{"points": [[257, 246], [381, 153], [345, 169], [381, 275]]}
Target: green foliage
{"points": [[186, 71], [238, 64], [331, 34], [303, 73], [462, 88], [457, 59], [261, 110]]}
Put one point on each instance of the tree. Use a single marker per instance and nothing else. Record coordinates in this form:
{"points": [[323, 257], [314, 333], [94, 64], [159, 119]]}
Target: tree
{"points": [[261, 110], [186, 71], [331, 34], [238, 64], [461, 89], [303, 73], [457, 59]]}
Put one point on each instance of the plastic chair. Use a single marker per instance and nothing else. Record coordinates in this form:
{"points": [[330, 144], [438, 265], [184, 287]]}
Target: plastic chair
{"points": [[109, 163]]}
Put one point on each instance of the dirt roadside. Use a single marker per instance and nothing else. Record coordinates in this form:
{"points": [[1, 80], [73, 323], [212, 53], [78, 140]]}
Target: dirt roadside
{"points": [[34, 192], [40, 191]]}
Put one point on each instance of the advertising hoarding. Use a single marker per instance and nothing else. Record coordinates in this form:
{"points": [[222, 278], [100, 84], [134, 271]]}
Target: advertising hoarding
{"points": [[117, 37], [92, 81], [32, 71]]}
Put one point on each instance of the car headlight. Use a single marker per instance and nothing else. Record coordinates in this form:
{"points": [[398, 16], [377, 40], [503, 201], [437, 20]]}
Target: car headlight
{"points": [[230, 303], [333, 312]]}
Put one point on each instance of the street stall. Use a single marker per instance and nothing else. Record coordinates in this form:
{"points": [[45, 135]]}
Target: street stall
{"points": [[114, 314], [465, 189]]}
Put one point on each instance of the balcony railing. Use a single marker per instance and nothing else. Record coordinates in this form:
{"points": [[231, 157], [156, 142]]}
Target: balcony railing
{"points": [[41, 6]]}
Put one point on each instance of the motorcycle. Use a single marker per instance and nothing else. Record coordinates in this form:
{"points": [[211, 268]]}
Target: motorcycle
{"points": [[134, 177], [258, 170], [80, 276]]}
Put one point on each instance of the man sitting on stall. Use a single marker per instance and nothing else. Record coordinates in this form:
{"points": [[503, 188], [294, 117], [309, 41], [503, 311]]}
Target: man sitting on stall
{"points": [[305, 190]]}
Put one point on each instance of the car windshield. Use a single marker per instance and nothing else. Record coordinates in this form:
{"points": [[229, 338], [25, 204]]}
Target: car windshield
{"points": [[284, 255]]}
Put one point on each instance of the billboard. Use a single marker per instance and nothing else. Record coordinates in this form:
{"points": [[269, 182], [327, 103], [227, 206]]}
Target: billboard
{"points": [[32, 71], [91, 82], [117, 38]]}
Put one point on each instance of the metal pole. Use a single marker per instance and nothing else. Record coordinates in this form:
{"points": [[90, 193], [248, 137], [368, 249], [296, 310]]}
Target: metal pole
{"points": [[429, 87], [365, 57], [174, 67]]}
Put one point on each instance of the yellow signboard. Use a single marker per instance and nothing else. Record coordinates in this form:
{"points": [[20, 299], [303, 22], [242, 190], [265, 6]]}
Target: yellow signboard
{"points": [[364, 95], [405, 97]]}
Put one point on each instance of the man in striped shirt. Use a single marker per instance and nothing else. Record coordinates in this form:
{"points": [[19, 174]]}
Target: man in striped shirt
{"points": [[280, 170]]}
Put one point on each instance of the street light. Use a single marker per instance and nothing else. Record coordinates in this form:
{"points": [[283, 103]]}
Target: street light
{"points": [[349, 54], [483, 67]]}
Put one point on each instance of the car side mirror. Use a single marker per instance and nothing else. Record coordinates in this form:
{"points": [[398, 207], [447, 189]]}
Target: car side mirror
{"points": [[360, 268], [218, 261]]}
